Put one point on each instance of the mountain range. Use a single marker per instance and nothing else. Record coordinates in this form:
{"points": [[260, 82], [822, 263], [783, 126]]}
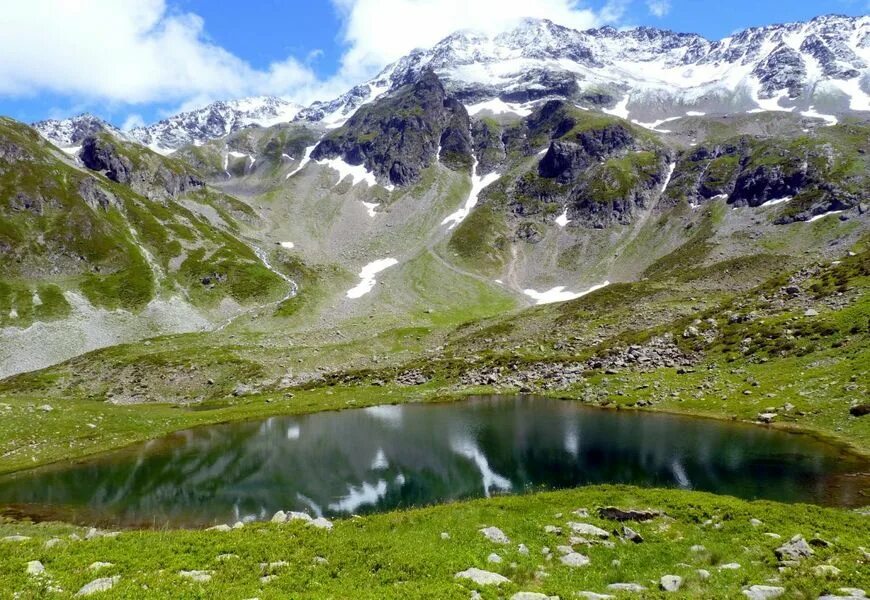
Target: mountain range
{"points": [[649, 75]]}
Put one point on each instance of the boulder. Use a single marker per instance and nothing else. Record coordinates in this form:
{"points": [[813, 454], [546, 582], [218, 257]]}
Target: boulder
{"points": [[104, 584], [763, 592], [496, 535], [796, 548], [589, 530], [574, 559], [481, 577], [670, 583]]}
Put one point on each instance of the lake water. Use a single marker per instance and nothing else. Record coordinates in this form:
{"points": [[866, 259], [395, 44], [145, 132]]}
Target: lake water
{"points": [[387, 457]]}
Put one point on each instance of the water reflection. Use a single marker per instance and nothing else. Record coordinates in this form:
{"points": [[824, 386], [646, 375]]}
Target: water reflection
{"points": [[396, 456]]}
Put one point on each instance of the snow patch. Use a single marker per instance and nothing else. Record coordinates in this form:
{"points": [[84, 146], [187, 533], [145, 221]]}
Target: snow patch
{"points": [[777, 201], [477, 185], [357, 173], [498, 106], [370, 208], [287, 245], [563, 219], [813, 114], [823, 215], [559, 294], [367, 275], [306, 158], [620, 110], [695, 113]]}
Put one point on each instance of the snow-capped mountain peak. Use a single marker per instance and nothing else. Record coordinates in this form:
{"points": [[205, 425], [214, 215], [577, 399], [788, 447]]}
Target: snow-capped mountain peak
{"points": [[214, 121], [69, 133]]}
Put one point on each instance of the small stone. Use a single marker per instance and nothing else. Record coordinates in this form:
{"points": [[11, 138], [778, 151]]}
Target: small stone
{"points": [[35, 568], [590, 530], [795, 549], [523, 549], [703, 574], [198, 576], [552, 529], [238, 525], [494, 534], [766, 417], [96, 566], [15, 538], [626, 587], [729, 566], [763, 592], [481, 577], [826, 571], [755, 523], [811, 312], [574, 559], [46, 408], [321, 523], [529, 596], [698, 548], [279, 517], [222, 527], [671, 583], [319, 560], [53, 542], [631, 535], [594, 596], [104, 584], [494, 558], [819, 542], [445, 535], [564, 550]]}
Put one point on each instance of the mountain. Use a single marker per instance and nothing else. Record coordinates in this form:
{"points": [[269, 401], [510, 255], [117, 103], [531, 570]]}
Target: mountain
{"points": [[214, 121], [68, 134], [648, 74], [194, 127]]}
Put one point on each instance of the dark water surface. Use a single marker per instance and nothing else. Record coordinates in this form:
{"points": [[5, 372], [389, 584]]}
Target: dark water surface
{"points": [[385, 457]]}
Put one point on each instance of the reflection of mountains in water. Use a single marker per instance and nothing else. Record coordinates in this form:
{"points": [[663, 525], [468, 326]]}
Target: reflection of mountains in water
{"points": [[392, 456]]}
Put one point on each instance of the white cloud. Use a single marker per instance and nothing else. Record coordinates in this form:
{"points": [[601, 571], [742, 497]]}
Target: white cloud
{"points": [[659, 8], [378, 32], [132, 120], [125, 51]]}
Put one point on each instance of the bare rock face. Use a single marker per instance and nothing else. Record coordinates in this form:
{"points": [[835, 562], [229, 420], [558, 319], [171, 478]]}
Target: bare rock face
{"points": [[145, 173], [399, 136], [627, 514]]}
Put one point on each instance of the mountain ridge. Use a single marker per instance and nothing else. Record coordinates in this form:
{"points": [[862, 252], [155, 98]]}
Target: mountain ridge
{"points": [[820, 66]]}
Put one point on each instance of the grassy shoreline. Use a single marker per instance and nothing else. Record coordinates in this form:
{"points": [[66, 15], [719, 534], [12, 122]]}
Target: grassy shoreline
{"points": [[403, 554]]}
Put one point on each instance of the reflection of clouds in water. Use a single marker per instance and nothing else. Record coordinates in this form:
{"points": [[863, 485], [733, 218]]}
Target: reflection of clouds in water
{"points": [[390, 414], [315, 508], [293, 432], [400, 480], [572, 442], [380, 462], [467, 448], [366, 494], [680, 474]]}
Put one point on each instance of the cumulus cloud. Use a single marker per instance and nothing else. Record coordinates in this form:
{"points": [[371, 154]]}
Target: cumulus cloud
{"points": [[659, 8], [378, 32], [121, 53], [125, 51]]}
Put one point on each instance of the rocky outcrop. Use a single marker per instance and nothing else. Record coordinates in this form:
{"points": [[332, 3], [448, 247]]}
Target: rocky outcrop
{"points": [[398, 136], [148, 174]]}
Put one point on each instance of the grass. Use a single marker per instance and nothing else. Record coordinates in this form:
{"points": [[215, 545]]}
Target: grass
{"points": [[403, 554]]}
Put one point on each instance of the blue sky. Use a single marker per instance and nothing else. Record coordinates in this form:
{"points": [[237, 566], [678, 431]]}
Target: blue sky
{"points": [[134, 61]]}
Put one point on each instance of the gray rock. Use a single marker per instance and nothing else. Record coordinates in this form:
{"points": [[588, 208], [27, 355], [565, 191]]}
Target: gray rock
{"points": [[104, 584], [846, 593], [481, 577], [766, 417], [671, 583], [222, 527], [198, 576], [15, 538], [523, 549], [496, 535], [574, 559], [811, 312], [96, 566], [703, 574], [494, 558], [590, 530], [529, 596], [35, 568], [321, 523], [763, 592], [729, 566], [631, 535], [626, 587], [629, 514], [795, 549], [594, 596], [826, 571]]}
